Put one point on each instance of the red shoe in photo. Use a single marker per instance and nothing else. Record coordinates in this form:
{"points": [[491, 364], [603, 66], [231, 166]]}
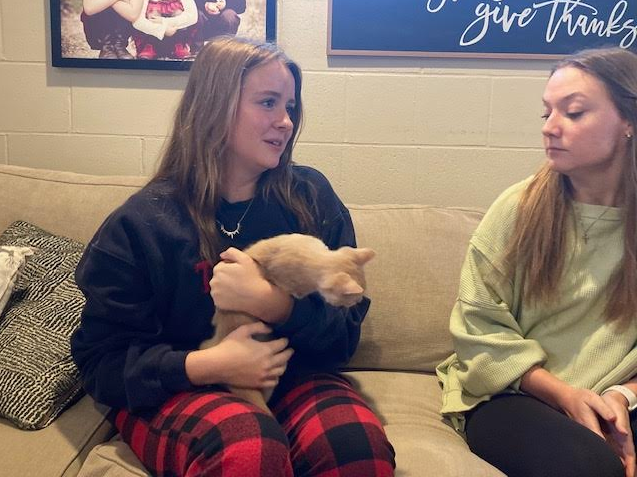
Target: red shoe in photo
{"points": [[181, 51], [147, 52]]}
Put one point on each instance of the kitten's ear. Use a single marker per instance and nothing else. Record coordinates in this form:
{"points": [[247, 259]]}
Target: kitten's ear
{"points": [[363, 255]]}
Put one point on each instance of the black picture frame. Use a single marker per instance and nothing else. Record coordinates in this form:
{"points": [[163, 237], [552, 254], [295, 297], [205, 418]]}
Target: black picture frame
{"points": [[65, 20], [509, 29]]}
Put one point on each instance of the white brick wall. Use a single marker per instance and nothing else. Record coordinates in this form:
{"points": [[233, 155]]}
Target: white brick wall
{"points": [[406, 130]]}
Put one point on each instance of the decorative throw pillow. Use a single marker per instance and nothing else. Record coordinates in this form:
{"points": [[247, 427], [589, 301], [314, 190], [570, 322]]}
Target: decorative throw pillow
{"points": [[11, 262], [38, 377]]}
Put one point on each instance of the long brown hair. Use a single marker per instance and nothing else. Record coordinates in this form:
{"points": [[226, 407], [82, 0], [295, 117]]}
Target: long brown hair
{"points": [[196, 152], [539, 239]]}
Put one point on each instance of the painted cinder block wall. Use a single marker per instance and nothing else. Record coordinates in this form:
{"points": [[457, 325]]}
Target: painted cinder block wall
{"points": [[401, 130]]}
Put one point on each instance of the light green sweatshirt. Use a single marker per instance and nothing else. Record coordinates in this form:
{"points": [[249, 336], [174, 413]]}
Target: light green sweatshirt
{"points": [[498, 337]]}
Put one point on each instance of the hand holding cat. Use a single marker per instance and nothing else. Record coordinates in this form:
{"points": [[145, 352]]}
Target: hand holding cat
{"points": [[241, 361], [237, 284]]}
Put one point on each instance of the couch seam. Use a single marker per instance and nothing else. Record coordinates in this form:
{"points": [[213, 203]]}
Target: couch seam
{"points": [[69, 182]]}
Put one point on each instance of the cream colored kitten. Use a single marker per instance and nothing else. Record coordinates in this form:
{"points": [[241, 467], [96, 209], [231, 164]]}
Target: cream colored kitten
{"points": [[299, 265]]}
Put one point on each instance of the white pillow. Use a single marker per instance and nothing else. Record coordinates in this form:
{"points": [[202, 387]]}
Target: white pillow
{"points": [[12, 259]]}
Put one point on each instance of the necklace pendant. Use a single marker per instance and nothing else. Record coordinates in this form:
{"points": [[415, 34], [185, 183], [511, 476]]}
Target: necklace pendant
{"points": [[230, 233]]}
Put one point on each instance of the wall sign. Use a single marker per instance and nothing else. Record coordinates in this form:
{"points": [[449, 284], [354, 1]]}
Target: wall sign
{"points": [[473, 28]]}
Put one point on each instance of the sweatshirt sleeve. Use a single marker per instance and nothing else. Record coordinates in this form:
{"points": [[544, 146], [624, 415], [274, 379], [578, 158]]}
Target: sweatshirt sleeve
{"points": [[322, 334], [492, 351], [121, 359]]}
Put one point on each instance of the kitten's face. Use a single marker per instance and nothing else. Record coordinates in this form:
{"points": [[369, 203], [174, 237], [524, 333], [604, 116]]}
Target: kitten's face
{"points": [[344, 282], [301, 264]]}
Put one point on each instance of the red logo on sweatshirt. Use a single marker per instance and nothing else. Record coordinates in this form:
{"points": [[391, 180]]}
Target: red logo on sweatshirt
{"points": [[205, 269]]}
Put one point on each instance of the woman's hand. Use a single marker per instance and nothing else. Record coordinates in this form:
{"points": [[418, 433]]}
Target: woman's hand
{"points": [[581, 405], [237, 282], [618, 432], [606, 416], [241, 361], [238, 285], [588, 408]]}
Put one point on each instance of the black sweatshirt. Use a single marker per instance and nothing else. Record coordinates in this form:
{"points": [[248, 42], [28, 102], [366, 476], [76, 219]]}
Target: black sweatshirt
{"points": [[148, 302]]}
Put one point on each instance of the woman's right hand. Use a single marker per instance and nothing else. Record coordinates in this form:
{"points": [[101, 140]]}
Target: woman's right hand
{"points": [[582, 405], [619, 434], [241, 361], [588, 408], [606, 417]]}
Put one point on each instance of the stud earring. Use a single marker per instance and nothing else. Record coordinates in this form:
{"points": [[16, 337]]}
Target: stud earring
{"points": [[629, 136]]}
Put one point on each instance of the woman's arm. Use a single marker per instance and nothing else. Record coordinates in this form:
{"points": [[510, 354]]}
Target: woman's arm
{"points": [[130, 10], [92, 7], [121, 359], [492, 350], [153, 28]]}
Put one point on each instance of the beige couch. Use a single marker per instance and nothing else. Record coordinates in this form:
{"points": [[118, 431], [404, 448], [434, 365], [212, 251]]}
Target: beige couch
{"points": [[412, 284]]}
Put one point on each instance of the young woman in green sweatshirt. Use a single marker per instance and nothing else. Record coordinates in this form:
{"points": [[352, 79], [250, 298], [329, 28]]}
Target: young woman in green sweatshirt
{"points": [[543, 381]]}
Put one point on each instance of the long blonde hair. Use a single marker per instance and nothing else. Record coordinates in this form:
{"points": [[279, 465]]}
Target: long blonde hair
{"points": [[538, 243], [196, 153]]}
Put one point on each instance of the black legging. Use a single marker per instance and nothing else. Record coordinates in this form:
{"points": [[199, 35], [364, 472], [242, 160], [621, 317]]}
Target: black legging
{"points": [[523, 437]]}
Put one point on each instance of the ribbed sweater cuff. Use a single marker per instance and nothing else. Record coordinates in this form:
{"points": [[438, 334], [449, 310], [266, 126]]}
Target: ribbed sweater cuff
{"points": [[172, 372]]}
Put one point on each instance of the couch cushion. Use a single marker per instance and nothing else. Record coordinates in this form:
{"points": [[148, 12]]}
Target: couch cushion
{"points": [[412, 282], [64, 203], [38, 378], [112, 459], [408, 405], [58, 450]]}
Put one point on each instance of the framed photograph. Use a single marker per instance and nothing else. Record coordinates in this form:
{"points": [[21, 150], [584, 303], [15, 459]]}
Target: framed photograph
{"points": [[150, 34], [525, 29]]}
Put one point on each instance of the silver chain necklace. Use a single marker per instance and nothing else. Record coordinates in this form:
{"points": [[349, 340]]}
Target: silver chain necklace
{"points": [[590, 226], [237, 230]]}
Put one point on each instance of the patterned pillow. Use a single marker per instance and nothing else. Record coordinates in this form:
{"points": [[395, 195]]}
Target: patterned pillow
{"points": [[38, 377]]}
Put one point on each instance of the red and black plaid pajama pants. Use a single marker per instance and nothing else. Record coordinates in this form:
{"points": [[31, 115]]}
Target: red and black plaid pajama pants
{"points": [[323, 428]]}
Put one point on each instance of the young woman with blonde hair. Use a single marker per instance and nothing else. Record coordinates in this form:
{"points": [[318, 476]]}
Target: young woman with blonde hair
{"points": [[226, 180], [543, 381]]}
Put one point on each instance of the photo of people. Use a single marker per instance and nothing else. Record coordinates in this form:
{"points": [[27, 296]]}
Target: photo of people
{"points": [[146, 30]]}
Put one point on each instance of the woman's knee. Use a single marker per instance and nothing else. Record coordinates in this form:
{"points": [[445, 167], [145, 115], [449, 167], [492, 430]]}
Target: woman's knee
{"points": [[355, 449], [594, 458], [208, 434], [249, 444]]}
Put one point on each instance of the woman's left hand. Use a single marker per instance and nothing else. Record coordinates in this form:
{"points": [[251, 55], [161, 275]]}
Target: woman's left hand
{"points": [[618, 432], [237, 283]]}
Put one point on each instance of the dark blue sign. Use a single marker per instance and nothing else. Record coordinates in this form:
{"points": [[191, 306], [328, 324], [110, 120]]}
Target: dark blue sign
{"points": [[545, 28]]}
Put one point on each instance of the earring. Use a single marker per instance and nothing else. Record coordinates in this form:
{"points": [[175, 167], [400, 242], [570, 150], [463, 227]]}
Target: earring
{"points": [[629, 136]]}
